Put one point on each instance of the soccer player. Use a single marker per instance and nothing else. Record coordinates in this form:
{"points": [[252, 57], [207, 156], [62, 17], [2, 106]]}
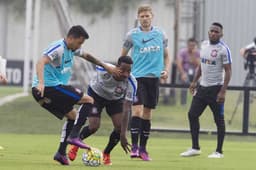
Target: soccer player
{"points": [[50, 85], [151, 62], [116, 94], [215, 73]]}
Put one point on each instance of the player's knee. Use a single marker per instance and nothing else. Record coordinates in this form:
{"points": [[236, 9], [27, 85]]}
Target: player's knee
{"points": [[71, 115], [86, 99]]}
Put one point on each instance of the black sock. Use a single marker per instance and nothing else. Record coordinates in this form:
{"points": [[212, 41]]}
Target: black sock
{"points": [[84, 110], [135, 129], [194, 130], [221, 134], [66, 129], [113, 140], [85, 132], [144, 134]]}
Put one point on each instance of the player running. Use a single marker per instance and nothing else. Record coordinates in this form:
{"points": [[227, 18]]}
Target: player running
{"points": [[116, 94]]}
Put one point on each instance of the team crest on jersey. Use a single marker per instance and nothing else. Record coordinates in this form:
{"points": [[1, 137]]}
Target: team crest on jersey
{"points": [[106, 76], [119, 91], [214, 53]]}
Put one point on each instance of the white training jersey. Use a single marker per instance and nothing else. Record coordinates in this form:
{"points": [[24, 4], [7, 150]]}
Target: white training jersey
{"points": [[213, 57], [104, 85]]}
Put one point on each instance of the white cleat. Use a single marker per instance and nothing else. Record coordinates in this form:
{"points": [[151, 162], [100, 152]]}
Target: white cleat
{"points": [[191, 152], [216, 155]]}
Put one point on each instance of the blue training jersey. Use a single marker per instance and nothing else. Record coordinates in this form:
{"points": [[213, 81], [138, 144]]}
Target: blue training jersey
{"points": [[147, 51], [58, 71]]}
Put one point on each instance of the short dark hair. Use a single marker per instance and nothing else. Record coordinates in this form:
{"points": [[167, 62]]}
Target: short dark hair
{"points": [[124, 59], [217, 24], [192, 39], [78, 31]]}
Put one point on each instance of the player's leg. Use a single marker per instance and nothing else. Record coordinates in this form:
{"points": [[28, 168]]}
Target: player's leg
{"points": [[151, 95], [218, 112], [196, 109], [136, 119], [59, 101], [81, 117], [114, 110], [93, 116]]}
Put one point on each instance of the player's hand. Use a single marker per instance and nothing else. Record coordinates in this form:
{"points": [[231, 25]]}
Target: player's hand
{"points": [[3, 79], [221, 97], [124, 143], [184, 77], [112, 70], [164, 74], [40, 88], [192, 88]]}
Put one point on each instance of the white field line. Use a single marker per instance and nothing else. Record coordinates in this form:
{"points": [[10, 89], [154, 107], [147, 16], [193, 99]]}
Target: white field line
{"points": [[11, 98]]}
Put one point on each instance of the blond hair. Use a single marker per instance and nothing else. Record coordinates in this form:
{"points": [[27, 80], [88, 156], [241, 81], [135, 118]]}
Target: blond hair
{"points": [[144, 8]]}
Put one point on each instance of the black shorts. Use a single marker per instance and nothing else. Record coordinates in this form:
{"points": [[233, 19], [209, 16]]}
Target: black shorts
{"points": [[147, 92], [112, 106], [59, 100]]}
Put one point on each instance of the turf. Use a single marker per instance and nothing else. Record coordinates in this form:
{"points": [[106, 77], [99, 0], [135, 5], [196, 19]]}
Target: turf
{"points": [[35, 152]]}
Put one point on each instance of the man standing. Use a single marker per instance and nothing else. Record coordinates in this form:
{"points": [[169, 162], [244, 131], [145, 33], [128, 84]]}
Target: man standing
{"points": [[187, 61], [50, 89], [151, 61], [215, 73], [116, 95]]}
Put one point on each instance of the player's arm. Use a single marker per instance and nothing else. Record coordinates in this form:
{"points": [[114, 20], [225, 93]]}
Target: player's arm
{"points": [[127, 105], [3, 79], [193, 84], [227, 77], [165, 72], [127, 45], [90, 58], [40, 72]]}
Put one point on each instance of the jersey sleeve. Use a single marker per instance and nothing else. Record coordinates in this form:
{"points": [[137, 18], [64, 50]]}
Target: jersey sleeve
{"points": [[128, 41], [54, 52], [78, 52], [131, 90], [226, 57]]}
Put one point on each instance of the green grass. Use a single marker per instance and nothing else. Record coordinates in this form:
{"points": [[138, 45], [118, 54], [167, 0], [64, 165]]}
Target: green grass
{"points": [[35, 152], [7, 90], [30, 136]]}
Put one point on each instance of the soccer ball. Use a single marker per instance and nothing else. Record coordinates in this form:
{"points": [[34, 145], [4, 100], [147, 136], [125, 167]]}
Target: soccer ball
{"points": [[92, 157]]}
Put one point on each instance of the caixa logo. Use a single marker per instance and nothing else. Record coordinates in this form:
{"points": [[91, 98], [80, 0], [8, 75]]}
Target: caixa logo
{"points": [[149, 49]]}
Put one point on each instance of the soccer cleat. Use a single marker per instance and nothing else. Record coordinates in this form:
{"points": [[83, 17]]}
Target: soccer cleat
{"points": [[144, 155], [106, 159], [72, 152], [77, 142], [62, 159], [216, 155], [134, 152], [191, 152]]}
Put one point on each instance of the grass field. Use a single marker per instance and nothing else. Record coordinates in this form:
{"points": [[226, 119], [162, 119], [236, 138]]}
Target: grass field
{"points": [[30, 136], [35, 152]]}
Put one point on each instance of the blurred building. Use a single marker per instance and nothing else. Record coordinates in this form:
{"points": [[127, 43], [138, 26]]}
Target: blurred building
{"points": [[191, 17]]}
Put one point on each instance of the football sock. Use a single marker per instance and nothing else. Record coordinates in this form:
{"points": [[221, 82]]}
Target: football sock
{"points": [[113, 140], [135, 129], [85, 132], [144, 134], [220, 134], [194, 130], [66, 129], [83, 111]]}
